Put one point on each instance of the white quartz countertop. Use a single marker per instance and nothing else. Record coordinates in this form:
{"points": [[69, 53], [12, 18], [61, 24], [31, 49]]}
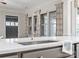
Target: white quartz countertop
{"points": [[11, 45]]}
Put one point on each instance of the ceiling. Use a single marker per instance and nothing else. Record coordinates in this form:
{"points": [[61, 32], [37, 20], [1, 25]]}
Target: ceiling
{"points": [[23, 4]]}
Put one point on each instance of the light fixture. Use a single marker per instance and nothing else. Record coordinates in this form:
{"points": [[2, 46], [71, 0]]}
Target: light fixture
{"points": [[76, 3], [3, 2]]}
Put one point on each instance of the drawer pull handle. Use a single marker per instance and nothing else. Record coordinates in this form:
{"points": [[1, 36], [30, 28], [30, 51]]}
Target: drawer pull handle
{"points": [[41, 57]]}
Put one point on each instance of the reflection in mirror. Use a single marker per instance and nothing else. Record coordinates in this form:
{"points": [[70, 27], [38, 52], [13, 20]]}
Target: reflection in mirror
{"points": [[44, 25], [11, 28], [77, 22], [52, 25], [7, 23], [30, 27], [16, 23], [12, 23], [35, 23], [48, 24]]}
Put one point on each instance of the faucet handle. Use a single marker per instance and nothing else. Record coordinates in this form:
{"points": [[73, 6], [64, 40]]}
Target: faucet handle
{"points": [[41, 57], [32, 38]]}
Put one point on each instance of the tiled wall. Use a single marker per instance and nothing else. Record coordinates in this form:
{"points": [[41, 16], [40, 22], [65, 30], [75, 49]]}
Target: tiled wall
{"points": [[59, 19], [38, 24], [21, 21]]}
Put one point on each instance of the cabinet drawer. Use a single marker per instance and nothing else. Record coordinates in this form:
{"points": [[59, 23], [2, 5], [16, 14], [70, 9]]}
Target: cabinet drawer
{"points": [[32, 54], [14, 56]]}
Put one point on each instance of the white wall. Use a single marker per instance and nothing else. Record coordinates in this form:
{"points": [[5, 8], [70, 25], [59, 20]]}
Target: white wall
{"points": [[47, 7], [21, 21], [69, 19], [74, 11]]}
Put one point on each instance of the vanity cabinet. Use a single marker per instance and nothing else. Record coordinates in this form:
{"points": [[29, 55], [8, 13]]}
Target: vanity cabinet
{"points": [[72, 56], [50, 53], [41, 53], [12, 55]]}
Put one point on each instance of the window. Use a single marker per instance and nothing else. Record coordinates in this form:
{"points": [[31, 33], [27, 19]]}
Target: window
{"points": [[77, 22], [11, 21], [35, 23], [16, 23], [30, 21], [52, 24], [7, 23], [30, 26], [11, 26], [44, 25], [48, 25]]}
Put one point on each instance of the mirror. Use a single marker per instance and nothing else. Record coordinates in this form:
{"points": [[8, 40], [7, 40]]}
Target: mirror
{"points": [[36, 24]]}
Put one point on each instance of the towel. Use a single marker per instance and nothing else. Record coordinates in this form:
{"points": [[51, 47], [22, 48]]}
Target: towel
{"points": [[67, 47], [1, 37]]}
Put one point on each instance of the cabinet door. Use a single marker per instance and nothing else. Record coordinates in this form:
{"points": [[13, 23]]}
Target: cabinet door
{"points": [[31, 54], [78, 50], [53, 53]]}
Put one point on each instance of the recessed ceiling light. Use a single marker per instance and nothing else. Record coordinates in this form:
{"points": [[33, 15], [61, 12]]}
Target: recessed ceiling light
{"points": [[3, 1]]}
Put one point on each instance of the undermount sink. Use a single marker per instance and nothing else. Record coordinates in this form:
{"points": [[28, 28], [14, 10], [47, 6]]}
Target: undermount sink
{"points": [[36, 42]]}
